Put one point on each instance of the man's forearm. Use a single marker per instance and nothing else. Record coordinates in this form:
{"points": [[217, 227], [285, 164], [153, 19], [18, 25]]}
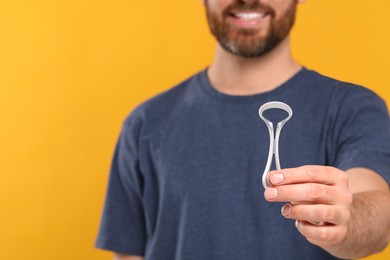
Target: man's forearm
{"points": [[370, 214]]}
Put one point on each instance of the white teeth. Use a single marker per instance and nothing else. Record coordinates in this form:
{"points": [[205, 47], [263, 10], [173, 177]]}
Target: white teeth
{"points": [[249, 16]]}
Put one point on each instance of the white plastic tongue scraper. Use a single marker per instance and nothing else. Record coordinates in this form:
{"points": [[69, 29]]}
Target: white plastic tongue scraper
{"points": [[274, 140]]}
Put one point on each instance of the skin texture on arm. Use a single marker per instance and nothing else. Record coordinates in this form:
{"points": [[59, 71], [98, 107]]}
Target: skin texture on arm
{"points": [[370, 213], [345, 213], [127, 257]]}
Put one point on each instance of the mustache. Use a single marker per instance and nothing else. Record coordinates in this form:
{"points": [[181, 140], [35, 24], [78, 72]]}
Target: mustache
{"points": [[254, 6]]}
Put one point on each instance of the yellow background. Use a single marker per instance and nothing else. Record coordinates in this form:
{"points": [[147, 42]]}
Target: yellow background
{"points": [[71, 70]]}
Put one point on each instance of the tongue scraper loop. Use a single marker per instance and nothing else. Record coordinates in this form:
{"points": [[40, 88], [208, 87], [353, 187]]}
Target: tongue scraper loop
{"points": [[274, 141]]}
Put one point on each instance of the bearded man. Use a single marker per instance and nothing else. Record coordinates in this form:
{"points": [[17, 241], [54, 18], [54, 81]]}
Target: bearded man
{"points": [[186, 176]]}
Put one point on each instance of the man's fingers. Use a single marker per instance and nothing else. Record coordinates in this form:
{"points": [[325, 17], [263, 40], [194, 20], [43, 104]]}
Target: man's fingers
{"points": [[322, 235], [307, 192], [308, 174], [318, 213]]}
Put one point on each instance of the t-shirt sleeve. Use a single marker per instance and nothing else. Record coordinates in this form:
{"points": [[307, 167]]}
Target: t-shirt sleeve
{"points": [[122, 227], [364, 137]]}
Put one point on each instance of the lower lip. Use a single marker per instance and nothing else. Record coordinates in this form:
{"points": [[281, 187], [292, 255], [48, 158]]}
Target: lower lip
{"points": [[248, 23]]}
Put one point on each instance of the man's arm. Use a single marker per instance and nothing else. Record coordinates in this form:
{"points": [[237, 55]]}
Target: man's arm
{"points": [[369, 225], [127, 257], [346, 213]]}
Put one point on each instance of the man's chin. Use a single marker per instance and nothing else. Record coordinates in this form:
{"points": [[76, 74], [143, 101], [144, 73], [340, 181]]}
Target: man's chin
{"points": [[246, 50]]}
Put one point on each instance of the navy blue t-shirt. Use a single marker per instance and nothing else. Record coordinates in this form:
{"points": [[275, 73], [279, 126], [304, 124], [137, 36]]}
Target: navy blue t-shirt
{"points": [[186, 184]]}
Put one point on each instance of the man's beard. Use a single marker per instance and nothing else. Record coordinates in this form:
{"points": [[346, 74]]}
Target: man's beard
{"points": [[244, 42]]}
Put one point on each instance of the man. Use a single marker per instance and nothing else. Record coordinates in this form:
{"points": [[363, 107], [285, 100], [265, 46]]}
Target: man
{"points": [[186, 176]]}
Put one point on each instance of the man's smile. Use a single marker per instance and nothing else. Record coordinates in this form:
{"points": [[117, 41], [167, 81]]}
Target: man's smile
{"points": [[248, 18]]}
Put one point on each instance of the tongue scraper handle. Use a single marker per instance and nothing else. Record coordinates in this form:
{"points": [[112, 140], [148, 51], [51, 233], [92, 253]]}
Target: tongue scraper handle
{"points": [[274, 141]]}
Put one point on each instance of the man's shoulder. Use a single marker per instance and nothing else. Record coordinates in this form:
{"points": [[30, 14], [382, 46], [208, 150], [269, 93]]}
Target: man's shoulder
{"points": [[342, 96], [335, 84], [166, 102]]}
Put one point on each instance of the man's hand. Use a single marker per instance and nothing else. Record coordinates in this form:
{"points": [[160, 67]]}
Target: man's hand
{"points": [[320, 201]]}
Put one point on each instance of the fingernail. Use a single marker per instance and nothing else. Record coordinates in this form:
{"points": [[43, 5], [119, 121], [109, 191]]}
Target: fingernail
{"points": [[286, 209], [297, 223], [276, 178], [271, 193]]}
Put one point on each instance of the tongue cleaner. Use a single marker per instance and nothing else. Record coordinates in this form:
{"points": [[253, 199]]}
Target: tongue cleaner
{"points": [[274, 140]]}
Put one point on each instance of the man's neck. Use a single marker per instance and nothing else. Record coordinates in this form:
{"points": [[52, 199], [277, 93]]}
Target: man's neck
{"points": [[234, 75]]}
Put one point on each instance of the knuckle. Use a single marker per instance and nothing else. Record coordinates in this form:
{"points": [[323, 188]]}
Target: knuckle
{"points": [[326, 214], [346, 215], [329, 237], [345, 196], [348, 197], [315, 191], [343, 176], [339, 235], [339, 175], [311, 172], [323, 234]]}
